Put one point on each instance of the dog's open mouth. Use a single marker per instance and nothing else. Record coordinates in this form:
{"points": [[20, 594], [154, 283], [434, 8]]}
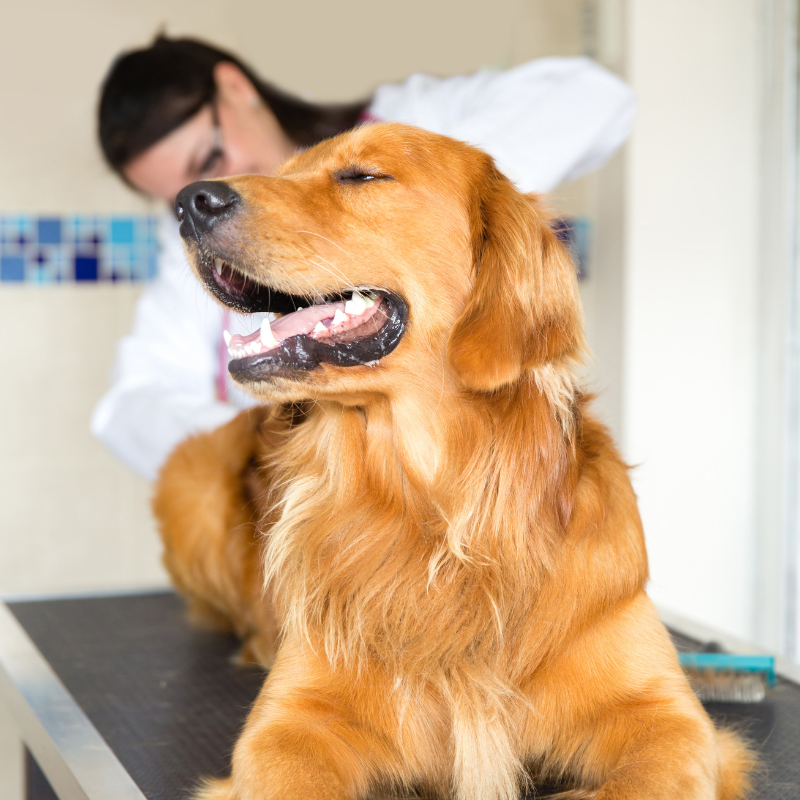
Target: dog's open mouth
{"points": [[348, 328]]}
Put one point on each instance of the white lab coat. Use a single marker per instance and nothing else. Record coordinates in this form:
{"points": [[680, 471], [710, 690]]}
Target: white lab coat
{"points": [[544, 122]]}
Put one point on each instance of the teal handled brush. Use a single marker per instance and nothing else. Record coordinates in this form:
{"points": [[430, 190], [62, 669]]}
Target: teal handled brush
{"points": [[727, 678]]}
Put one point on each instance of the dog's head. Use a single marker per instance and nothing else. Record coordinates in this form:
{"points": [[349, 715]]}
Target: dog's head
{"points": [[386, 249]]}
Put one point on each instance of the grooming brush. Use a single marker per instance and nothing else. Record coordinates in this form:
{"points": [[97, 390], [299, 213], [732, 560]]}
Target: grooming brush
{"points": [[725, 678]]}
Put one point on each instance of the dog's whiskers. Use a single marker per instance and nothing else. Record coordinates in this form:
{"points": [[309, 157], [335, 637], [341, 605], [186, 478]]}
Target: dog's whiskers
{"points": [[310, 261], [335, 244], [332, 270]]}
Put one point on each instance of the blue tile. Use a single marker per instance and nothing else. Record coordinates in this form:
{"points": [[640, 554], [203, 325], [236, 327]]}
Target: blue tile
{"points": [[86, 250], [85, 268], [121, 253], [41, 272], [13, 224], [48, 230], [86, 231], [122, 230], [119, 269], [65, 269], [152, 230], [12, 268], [8, 248], [44, 265], [78, 247], [69, 229], [90, 241]]}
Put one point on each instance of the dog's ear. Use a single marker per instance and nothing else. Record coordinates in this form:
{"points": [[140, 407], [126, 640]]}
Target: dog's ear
{"points": [[524, 309]]}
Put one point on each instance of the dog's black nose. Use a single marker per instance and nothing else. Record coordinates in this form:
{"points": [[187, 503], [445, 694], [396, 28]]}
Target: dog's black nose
{"points": [[199, 205]]}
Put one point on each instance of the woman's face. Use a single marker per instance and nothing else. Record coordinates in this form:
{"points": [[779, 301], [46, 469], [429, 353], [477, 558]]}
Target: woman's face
{"points": [[238, 135]]}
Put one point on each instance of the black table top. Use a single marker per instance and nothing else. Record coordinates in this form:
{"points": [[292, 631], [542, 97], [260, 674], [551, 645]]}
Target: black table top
{"points": [[169, 702]]}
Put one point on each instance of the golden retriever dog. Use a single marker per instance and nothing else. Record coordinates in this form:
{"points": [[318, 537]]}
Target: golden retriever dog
{"points": [[453, 557]]}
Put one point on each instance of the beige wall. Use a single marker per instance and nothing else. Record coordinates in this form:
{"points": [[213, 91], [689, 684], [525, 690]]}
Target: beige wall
{"points": [[72, 517], [691, 292]]}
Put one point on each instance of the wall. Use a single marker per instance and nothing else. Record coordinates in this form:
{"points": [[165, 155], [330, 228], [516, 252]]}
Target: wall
{"points": [[690, 318]]}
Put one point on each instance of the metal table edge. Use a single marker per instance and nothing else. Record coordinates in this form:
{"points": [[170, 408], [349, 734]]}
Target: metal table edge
{"points": [[77, 761]]}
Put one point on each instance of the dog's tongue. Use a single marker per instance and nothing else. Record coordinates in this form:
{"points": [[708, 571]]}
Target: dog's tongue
{"points": [[318, 321], [302, 321]]}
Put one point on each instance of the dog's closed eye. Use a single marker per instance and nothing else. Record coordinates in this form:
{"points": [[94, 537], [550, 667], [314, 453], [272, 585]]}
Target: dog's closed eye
{"points": [[357, 175]]}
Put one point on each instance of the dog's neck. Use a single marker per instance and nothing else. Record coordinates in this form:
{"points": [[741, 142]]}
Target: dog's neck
{"points": [[439, 432]]}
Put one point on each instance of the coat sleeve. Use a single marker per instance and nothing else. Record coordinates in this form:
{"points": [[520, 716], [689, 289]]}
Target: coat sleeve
{"points": [[545, 122], [163, 386]]}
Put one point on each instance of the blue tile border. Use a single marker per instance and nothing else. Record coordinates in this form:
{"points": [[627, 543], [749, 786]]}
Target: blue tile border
{"points": [[77, 248], [120, 249], [12, 268]]}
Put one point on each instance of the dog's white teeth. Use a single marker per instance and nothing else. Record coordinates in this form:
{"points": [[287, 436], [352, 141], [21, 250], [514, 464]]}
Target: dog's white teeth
{"points": [[218, 264], [358, 304], [267, 337], [319, 328], [339, 317], [227, 337]]}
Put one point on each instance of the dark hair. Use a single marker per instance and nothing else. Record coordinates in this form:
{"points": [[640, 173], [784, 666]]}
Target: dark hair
{"points": [[148, 93]]}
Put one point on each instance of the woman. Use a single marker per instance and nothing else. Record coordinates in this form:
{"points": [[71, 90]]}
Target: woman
{"points": [[181, 110]]}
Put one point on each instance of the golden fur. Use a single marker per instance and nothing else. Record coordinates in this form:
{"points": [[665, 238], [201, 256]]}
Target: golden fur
{"points": [[452, 541]]}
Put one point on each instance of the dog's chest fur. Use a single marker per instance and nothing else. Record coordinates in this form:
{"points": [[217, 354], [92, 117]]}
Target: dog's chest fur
{"points": [[371, 561]]}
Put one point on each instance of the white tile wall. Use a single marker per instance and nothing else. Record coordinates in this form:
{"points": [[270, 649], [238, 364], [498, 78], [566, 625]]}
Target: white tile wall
{"points": [[71, 517]]}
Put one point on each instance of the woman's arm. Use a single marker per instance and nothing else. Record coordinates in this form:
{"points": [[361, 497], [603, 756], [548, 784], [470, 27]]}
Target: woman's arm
{"points": [[544, 122], [163, 385]]}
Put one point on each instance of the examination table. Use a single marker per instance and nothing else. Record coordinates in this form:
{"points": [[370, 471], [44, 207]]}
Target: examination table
{"points": [[119, 698]]}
